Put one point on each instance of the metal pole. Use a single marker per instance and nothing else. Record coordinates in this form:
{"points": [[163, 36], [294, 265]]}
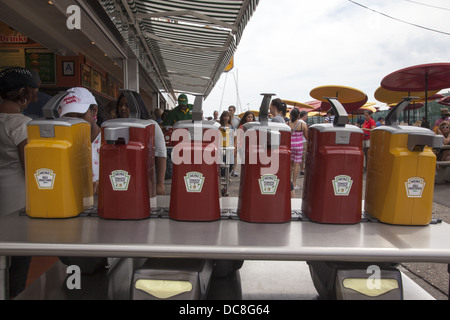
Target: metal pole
{"points": [[426, 98]]}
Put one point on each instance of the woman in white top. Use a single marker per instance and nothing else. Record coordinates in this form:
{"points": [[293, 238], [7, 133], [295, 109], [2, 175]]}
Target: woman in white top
{"points": [[123, 111], [17, 90]]}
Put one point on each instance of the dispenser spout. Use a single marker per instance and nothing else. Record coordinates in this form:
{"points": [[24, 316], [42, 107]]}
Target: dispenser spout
{"points": [[420, 140], [340, 114], [264, 109], [394, 114], [50, 110], [197, 110]]}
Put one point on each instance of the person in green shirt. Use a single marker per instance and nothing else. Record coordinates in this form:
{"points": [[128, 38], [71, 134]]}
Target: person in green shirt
{"points": [[181, 112]]}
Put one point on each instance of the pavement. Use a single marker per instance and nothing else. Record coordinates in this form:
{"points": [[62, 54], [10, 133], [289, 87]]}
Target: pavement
{"points": [[432, 277]]}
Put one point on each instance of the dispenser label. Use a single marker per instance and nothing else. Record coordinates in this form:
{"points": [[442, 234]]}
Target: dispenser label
{"points": [[268, 184], [120, 180], [414, 187], [45, 179], [194, 181], [342, 185]]}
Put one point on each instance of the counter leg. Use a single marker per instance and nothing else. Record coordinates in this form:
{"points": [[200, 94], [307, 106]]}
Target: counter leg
{"points": [[4, 277]]}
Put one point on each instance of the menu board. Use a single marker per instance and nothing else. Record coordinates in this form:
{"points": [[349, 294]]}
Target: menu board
{"points": [[99, 82], [113, 87], [12, 57], [96, 82], [44, 62], [86, 75]]}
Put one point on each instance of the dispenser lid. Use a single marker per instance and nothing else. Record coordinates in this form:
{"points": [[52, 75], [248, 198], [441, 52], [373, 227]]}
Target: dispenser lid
{"points": [[128, 122], [329, 127], [189, 124], [342, 133], [416, 135], [277, 126], [47, 126], [62, 122], [405, 130]]}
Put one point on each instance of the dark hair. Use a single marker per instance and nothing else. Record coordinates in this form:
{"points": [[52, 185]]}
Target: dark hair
{"points": [[122, 96], [222, 116], [15, 78], [118, 103], [104, 110], [295, 114], [280, 105], [243, 120], [19, 95], [303, 113]]}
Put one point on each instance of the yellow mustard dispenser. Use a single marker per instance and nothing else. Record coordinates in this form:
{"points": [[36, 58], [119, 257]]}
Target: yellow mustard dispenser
{"points": [[58, 168], [400, 172]]}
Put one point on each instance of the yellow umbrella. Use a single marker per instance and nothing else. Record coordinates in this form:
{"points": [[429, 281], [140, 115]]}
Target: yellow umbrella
{"points": [[370, 109], [369, 106], [316, 113], [342, 93], [298, 104], [389, 96]]}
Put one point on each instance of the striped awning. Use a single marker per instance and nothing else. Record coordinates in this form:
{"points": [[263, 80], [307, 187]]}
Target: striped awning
{"points": [[188, 43]]}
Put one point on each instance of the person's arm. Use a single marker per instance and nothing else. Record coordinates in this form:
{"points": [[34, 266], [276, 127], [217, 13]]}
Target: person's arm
{"points": [[446, 141], [18, 127], [21, 151], [160, 159], [305, 131], [160, 174], [373, 125]]}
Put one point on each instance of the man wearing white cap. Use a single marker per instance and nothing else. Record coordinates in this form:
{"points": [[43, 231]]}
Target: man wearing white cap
{"points": [[80, 103]]}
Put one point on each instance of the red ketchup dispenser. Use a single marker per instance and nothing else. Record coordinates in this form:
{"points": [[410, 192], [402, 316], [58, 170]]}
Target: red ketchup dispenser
{"points": [[194, 194], [265, 188], [126, 163], [332, 187]]}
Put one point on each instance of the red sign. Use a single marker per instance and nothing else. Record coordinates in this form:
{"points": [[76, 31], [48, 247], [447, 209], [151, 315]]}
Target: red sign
{"points": [[13, 38]]}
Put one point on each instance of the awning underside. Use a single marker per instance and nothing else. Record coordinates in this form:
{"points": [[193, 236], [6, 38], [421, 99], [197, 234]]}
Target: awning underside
{"points": [[189, 43]]}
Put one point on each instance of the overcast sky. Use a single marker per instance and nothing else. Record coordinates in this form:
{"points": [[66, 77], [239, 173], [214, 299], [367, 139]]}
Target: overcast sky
{"points": [[289, 47]]}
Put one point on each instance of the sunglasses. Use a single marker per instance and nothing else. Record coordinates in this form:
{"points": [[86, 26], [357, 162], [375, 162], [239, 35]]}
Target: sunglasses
{"points": [[444, 127]]}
